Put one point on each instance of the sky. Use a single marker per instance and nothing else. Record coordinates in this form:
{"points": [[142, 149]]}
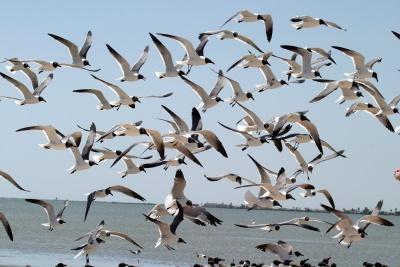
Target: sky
{"points": [[360, 180]]}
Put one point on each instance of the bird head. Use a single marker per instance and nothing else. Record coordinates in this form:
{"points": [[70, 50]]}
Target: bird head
{"points": [[118, 152], [218, 99], [277, 227], [108, 191], [143, 131], [61, 221], [142, 169], [41, 99], [249, 95], [375, 75], [56, 65], [141, 77], [209, 61], [359, 94], [283, 82], [289, 196], [276, 204], [135, 99], [180, 240], [85, 62], [91, 163]]}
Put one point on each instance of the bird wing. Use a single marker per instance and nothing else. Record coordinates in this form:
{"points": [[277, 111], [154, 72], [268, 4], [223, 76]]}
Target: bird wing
{"points": [[20, 86], [164, 53], [179, 185], [197, 89], [267, 74], [125, 237], [60, 213], [142, 59], [219, 84], [177, 219], [47, 207], [116, 89], [7, 226], [157, 141], [246, 40], [328, 196], [89, 142], [38, 90], [126, 191], [72, 48], [334, 25], [264, 177], [11, 180], [179, 121], [305, 55], [86, 45], [123, 153], [99, 94], [186, 44], [268, 26], [90, 198], [214, 141], [357, 58], [197, 123], [122, 62]]}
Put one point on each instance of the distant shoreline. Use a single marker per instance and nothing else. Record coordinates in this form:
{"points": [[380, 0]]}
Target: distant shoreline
{"points": [[363, 211]]}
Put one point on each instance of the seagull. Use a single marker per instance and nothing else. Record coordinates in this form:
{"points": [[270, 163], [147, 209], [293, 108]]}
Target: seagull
{"points": [[252, 61], [238, 94], [251, 201], [123, 98], [363, 70], [28, 96], [301, 22], [131, 168], [44, 65], [306, 138], [300, 119], [348, 88], [104, 104], [106, 154], [373, 111], [12, 181], [158, 211], [196, 214], [98, 236], [309, 167], [24, 68], [248, 16], [310, 191], [272, 82], [226, 34], [294, 67], [79, 59], [130, 74], [82, 161], [284, 251], [229, 176], [168, 236], [54, 220], [55, 139], [124, 129], [7, 226], [207, 100], [307, 72], [387, 109], [171, 70], [350, 231], [251, 141], [193, 58], [101, 193], [271, 227]]}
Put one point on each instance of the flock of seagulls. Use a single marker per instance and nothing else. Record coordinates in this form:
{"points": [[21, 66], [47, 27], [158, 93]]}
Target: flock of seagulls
{"points": [[275, 187]]}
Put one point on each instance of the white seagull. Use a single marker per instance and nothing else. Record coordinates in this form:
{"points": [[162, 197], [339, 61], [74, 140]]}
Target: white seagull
{"points": [[54, 220], [130, 74]]}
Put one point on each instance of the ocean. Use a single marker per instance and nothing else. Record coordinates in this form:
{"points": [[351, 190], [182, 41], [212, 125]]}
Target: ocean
{"points": [[34, 245]]}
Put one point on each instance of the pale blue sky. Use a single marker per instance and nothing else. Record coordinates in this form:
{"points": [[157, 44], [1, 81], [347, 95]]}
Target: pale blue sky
{"points": [[360, 180]]}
